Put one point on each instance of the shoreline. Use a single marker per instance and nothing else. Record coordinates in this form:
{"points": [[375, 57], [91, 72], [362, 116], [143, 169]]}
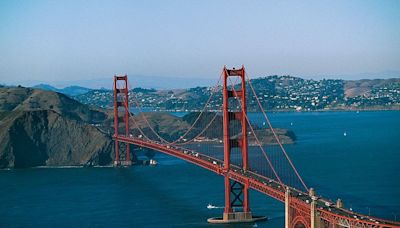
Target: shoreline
{"points": [[397, 108]]}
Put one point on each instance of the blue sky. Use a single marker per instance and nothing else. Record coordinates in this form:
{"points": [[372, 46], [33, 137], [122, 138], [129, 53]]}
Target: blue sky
{"points": [[74, 40]]}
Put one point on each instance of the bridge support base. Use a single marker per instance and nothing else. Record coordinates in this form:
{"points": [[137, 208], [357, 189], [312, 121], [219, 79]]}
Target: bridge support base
{"points": [[122, 163], [236, 217]]}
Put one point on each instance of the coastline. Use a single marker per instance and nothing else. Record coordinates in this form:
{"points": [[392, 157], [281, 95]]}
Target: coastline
{"points": [[393, 108]]}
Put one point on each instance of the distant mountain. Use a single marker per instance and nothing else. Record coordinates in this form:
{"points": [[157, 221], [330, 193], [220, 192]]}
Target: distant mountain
{"points": [[69, 90], [145, 81], [74, 90], [46, 87]]}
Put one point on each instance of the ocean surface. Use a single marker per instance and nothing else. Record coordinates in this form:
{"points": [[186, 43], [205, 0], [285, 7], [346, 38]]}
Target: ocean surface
{"points": [[348, 155]]}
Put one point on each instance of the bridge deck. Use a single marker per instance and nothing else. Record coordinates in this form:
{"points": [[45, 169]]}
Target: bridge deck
{"points": [[265, 185]]}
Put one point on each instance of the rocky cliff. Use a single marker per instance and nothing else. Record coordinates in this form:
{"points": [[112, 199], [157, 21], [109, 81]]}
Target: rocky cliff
{"points": [[41, 128], [45, 138]]}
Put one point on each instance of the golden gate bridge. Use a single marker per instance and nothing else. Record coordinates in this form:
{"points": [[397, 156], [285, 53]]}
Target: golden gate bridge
{"points": [[261, 165]]}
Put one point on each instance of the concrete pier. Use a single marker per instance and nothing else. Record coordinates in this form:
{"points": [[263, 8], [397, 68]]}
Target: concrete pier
{"points": [[122, 163], [236, 217]]}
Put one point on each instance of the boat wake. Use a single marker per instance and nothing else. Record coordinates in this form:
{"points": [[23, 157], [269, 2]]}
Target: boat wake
{"points": [[210, 206]]}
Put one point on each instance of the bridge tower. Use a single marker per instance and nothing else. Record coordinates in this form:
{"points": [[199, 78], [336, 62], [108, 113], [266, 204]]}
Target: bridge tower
{"points": [[237, 205], [233, 188], [121, 102]]}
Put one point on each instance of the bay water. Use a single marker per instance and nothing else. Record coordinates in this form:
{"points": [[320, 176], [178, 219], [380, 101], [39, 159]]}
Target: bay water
{"points": [[349, 155]]}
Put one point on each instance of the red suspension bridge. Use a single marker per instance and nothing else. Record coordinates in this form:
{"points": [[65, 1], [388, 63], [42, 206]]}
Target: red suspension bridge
{"points": [[241, 154]]}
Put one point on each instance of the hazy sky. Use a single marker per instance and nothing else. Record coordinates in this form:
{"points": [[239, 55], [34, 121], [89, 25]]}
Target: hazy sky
{"points": [[72, 40]]}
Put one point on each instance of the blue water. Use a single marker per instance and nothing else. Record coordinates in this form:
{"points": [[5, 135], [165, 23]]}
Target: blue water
{"points": [[362, 168]]}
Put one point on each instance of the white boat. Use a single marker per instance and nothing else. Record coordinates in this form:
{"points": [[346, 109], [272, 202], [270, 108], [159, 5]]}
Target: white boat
{"points": [[153, 162]]}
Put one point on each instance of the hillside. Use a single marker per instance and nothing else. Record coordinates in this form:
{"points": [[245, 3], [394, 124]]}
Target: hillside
{"points": [[27, 99], [43, 128], [367, 87], [276, 93], [46, 138]]}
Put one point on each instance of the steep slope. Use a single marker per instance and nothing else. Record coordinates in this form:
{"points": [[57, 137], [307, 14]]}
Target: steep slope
{"points": [[44, 128], [45, 138]]}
